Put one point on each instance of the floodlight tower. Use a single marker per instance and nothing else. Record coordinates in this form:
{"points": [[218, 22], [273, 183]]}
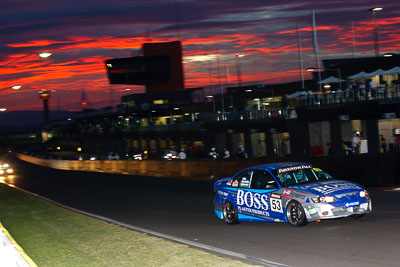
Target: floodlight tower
{"points": [[45, 96]]}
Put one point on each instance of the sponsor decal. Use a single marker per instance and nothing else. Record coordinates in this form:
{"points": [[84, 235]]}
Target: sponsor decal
{"points": [[330, 188], [235, 183], [291, 193], [286, 193], [317, 169], [274, 195], [222, 193], [251, 200], [293, 168], [352, 204], [254, 211]]}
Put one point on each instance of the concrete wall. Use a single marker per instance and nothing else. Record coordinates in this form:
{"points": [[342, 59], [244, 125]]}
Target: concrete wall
{"points": [[186, 169], [368, 170]]}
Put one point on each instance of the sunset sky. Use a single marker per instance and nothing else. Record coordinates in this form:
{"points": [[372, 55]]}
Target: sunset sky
{"points": [[82, 34]]}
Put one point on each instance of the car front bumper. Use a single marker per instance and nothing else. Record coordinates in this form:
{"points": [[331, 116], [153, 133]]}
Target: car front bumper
{"points": [[322, 211]]}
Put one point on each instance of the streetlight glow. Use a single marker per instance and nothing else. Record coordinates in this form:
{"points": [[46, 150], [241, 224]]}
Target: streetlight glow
{"points": [[312, 69], [376, 9], [45, 54], [16, 87], [3, 109]]}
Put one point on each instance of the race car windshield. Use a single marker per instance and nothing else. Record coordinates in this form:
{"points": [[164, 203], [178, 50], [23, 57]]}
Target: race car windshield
{"points": [[301, 176]]}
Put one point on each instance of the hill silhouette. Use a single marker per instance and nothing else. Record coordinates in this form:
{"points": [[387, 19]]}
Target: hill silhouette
{"points": [[14, 120]]}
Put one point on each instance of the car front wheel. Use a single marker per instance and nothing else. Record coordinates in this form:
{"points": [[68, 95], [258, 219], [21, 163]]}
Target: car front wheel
{"points": [[295, 214], [230, 213]]}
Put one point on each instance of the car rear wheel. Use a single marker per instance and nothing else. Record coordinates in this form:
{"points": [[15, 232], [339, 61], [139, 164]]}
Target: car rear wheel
{"points": [[295, 214], [230, 213]]}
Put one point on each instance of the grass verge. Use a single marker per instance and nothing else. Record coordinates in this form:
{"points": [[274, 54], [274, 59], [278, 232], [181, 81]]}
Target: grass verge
{"points": [[53, 236]]}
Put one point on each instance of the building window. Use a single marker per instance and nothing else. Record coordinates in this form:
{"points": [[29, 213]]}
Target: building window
{"points": [[160, 101]]}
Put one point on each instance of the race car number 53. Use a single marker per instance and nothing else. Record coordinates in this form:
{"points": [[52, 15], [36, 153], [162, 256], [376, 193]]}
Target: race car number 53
{"points": [[276, 205]]}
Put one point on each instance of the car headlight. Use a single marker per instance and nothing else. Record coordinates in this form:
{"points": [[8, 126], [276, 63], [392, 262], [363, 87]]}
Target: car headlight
{"points": [[363, 193], [10, 170], [324, 199], [1, 171], [5, 165]]}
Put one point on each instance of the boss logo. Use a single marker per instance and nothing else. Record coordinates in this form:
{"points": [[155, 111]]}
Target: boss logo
{"points": [[251, 200]]}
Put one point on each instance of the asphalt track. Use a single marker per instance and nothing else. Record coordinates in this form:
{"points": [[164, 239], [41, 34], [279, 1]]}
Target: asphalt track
{"points": [[183, 209]]}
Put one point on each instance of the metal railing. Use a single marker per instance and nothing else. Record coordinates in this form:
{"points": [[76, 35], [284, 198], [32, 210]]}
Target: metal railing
{"points": [[275, 113], [349, 95], [172, 127]]}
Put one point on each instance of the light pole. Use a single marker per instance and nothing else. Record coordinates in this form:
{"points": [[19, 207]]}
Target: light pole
{"points": [[45, 95], [212, 98], [222, 90], [238, 70], [211, 84], [376, 31]]}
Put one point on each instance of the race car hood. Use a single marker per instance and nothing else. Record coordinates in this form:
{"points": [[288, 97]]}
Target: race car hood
{"points": [[331, 187]]}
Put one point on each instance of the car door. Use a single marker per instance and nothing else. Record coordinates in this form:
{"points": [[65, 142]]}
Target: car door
{"points": [[253, 198]]}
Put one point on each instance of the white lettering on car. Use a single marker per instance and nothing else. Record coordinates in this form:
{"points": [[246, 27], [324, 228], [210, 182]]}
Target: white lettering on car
{"points": [[239, 197], [254, 211], [330, 188], [294, 168], [258, 201], [264, 200], [352, 204]]}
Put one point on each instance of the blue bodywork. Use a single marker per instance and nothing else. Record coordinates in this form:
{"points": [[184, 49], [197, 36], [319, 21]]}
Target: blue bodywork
{"points": [[269, 204]]}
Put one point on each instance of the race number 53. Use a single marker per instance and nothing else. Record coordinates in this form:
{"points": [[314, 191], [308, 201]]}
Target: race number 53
{"points": [[276, 205]]}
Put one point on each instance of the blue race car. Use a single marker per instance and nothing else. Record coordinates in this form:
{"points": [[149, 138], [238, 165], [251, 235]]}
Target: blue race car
{"points": [[292, 192]]}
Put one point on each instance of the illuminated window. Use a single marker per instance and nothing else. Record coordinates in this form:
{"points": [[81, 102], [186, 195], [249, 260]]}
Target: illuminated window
{"points": [[160, 101]]}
